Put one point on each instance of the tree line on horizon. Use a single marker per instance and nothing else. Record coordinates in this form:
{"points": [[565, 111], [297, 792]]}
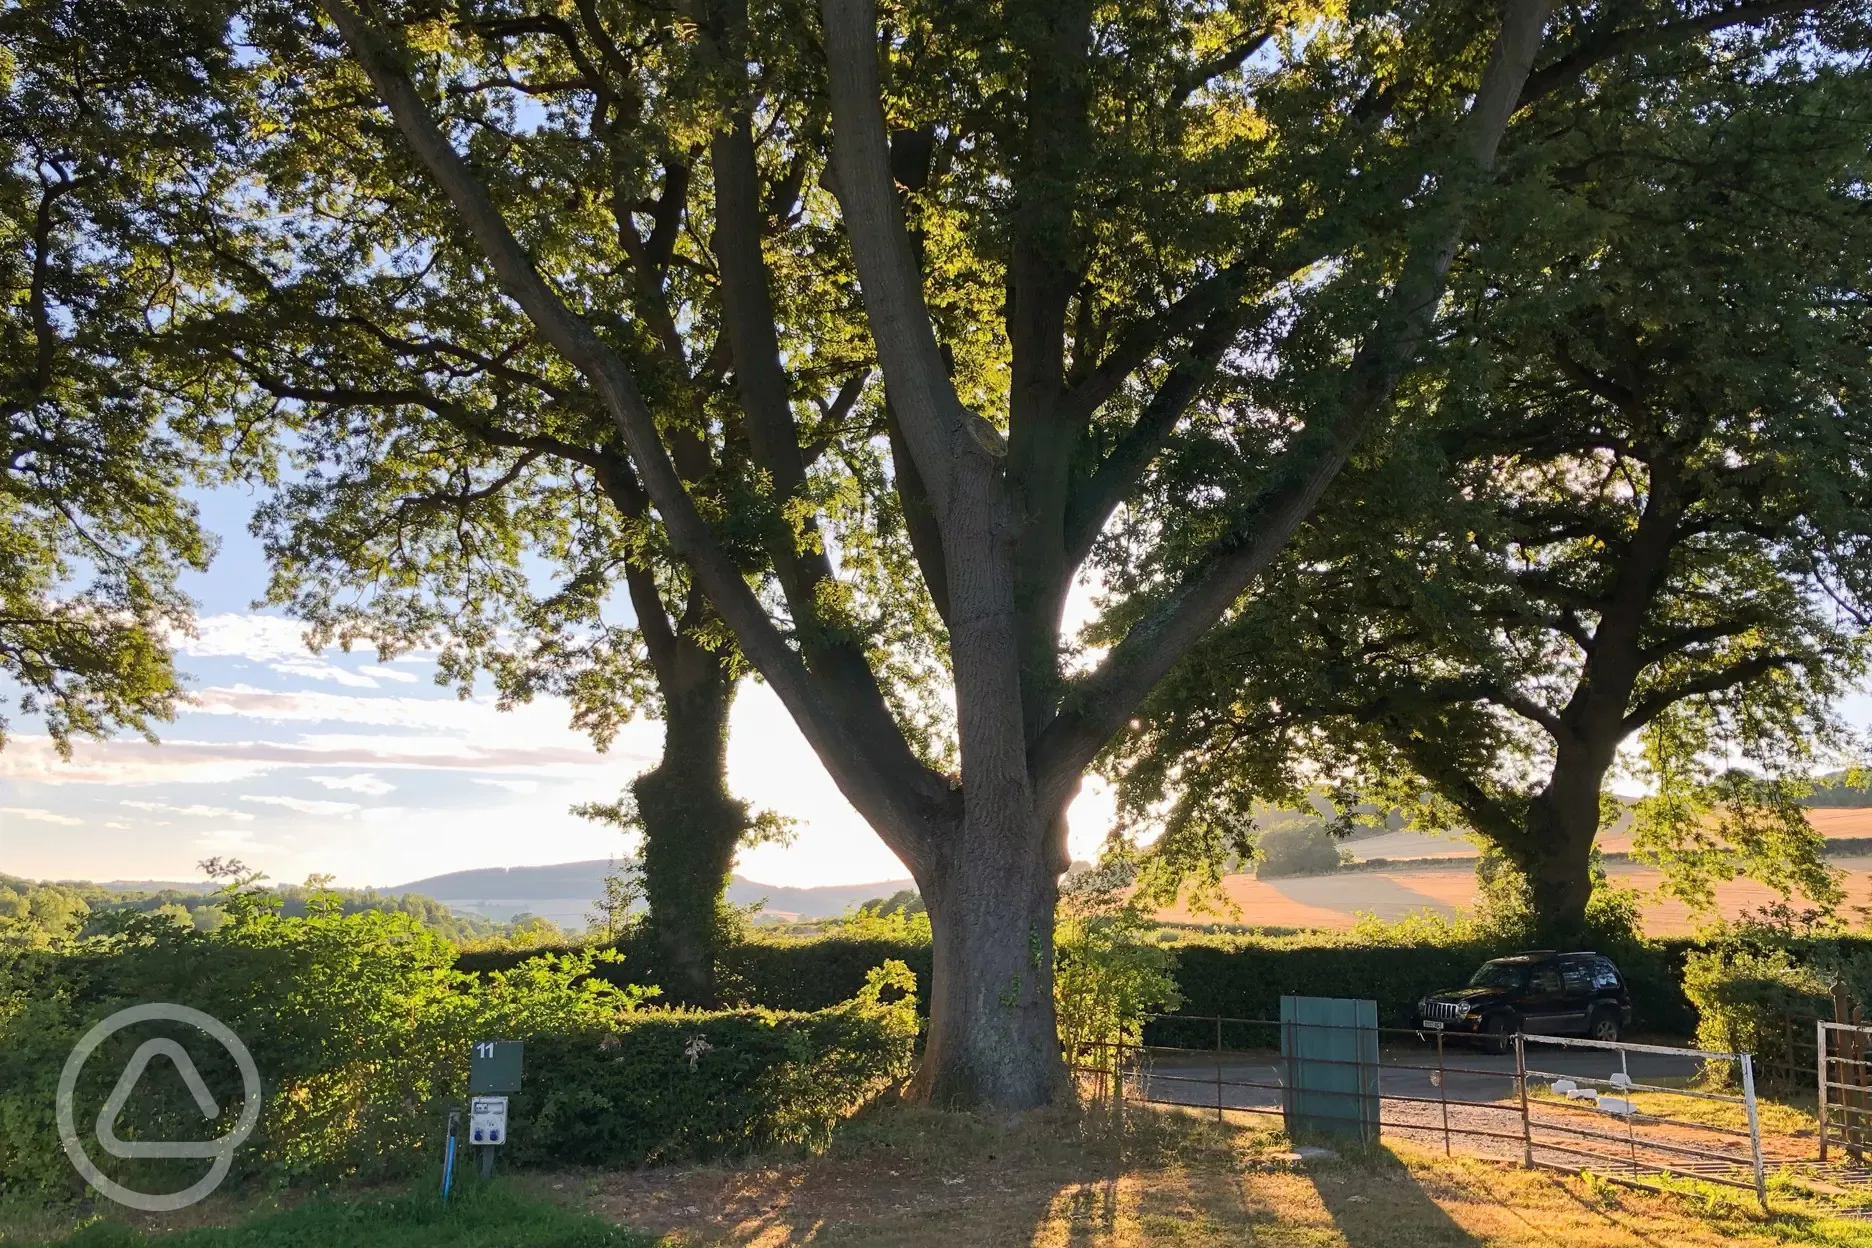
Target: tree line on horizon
{"points": [[1451, 406], [34, 912]]}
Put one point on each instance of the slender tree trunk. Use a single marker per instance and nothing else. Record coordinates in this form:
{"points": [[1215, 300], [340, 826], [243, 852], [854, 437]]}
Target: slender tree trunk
{"points": [[691, 826], [992, 1035], [1556, 854]]}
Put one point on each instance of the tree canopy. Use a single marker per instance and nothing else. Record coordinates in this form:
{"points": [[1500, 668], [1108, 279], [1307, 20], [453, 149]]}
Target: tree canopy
{"points": [[847, 337], [1627, 500], [115, 121]]}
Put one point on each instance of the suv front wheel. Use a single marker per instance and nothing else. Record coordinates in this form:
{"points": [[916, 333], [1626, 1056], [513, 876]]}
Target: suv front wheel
{"points": [[1497, 1033]]}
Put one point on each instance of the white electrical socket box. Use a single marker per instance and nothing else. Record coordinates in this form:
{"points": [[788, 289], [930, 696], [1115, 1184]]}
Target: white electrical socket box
{"points": [[487, 1120]]}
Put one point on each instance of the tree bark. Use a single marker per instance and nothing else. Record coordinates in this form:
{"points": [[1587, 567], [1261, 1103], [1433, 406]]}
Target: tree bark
{"points": [[691, 826], [1556, 854], [992, 1037]]}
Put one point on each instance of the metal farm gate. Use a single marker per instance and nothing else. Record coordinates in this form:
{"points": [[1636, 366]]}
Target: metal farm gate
{"points": [[1625, 1111], [1844, 1090]]}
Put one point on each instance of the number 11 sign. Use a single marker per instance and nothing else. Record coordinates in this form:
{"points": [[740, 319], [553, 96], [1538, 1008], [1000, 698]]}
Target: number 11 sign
{"points": [[494, 1066]]}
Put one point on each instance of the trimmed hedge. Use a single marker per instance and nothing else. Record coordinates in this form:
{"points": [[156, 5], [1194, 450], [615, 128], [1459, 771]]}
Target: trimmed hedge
{"points": [[1245, 979], [695, 1086], [783, 974], [1241, 977]]}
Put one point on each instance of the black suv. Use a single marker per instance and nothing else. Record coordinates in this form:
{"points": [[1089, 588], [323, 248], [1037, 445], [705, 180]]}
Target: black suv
{"points": [[1540, 993]]}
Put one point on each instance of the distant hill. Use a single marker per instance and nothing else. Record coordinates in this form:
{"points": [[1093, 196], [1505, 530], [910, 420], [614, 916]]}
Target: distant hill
{"points": [[564, 892]]}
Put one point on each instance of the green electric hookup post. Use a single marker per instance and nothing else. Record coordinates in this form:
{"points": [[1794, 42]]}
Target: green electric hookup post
{"points": [[494, 1069]]}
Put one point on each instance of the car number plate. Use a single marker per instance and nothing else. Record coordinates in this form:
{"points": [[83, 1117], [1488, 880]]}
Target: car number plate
{"points": [[1433, 1024]]}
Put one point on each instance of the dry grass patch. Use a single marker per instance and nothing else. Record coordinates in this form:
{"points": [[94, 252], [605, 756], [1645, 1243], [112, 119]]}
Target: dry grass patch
{"points": [[915, 1179]]}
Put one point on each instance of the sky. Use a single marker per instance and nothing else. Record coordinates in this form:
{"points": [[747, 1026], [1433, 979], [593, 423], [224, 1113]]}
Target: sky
{"points": [[336, 763]]}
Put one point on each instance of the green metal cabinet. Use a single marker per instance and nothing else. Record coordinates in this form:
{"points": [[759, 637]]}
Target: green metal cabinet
{"points": [[1329, 1046]]}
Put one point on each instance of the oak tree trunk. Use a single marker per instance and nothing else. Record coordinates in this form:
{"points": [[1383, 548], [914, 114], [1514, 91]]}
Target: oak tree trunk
{"points": [[992, 1037], [691, 825], [1556, 857]]}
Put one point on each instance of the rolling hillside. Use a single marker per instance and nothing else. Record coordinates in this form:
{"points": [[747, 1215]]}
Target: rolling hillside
{"points": [[564, 892]]}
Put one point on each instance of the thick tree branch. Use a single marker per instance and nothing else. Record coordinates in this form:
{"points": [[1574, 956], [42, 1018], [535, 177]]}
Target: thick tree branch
{"points": [[902, 814], [1655, 704], [802, 567], [935, 428], [1203, 73], [1092, 504], [1675, 641], [926, 542], [1612, 43], [1143, 339], [1103, 701]]}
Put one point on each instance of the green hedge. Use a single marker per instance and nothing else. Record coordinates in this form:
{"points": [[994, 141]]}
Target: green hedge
{"points": [[1246, 978], [360, 1029], [651, 1091], [1241, 977], [783, 974]]}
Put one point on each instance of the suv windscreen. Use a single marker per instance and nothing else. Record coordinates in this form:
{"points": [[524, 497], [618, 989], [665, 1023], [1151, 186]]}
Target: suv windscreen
{"points": [[1499, 975]]}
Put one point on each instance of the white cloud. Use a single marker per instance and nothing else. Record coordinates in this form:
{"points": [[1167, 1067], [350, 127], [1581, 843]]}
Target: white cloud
{"points": [[117, 825], [261, 638], [197, 811], [233, 839], [361, 783], [41, 816], [512, 786], [281, 645], [305, 806], [318, 669], [34, 760]]}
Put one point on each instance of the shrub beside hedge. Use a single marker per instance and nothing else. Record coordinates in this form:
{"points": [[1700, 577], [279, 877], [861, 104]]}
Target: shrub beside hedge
{"points": [[1743, 998], [689, 1086]]}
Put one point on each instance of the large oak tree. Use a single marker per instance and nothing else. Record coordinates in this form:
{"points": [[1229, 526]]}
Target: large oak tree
{"points": [[1067, 224]]}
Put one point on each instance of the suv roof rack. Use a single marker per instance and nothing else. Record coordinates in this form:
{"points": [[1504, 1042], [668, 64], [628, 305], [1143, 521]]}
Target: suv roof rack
{"points": [[1535, 953]]}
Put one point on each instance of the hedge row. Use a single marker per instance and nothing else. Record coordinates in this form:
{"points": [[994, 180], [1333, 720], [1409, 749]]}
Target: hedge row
{"points": [[693, 1086], [1239, 977], [361, 1030], [786, 974], [1246, 980]]}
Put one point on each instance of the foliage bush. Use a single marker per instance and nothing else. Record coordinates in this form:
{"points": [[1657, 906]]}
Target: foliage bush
{"points": [[1107, 975], [360, 1026], [683, 1085], [1744, 997]]}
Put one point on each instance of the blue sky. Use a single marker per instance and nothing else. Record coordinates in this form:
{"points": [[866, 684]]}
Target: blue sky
{"points": [[297, 763]]}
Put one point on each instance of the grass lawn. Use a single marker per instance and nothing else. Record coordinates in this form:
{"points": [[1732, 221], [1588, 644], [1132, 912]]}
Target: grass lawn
{"points": [[909, 1178], [496, 1216]]}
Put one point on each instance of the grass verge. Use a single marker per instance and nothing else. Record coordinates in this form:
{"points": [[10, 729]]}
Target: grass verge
{"points": [[495, 1216]]}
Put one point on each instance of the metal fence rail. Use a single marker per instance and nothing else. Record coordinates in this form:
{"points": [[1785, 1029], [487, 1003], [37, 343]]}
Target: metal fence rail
{"points": [[1843, 1091], [1583, 1118]]}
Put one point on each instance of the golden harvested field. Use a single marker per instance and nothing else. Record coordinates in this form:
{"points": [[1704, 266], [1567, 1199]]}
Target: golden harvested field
{"points": [[1335, 901]]}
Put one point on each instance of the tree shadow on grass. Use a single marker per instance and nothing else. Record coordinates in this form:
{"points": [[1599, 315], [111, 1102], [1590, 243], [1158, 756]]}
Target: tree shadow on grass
{"points": [[1406, 1215]]}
